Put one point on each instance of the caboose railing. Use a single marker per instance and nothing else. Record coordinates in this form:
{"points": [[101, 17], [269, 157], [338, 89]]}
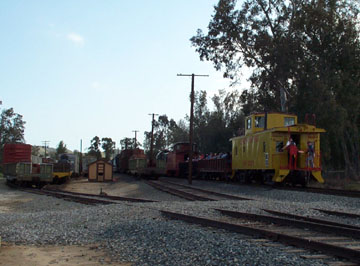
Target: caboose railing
{"points": [[282, 160]]}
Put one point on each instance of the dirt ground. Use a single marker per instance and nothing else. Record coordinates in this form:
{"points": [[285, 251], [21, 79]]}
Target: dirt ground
{"points": [[54, 255], [58, 255], [124, 186]]}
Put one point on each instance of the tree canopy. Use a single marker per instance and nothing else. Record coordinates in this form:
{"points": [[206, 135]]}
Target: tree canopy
{"points": [[12, 128], [94, 149], [61, 148], [301, 53], [108, 146]]}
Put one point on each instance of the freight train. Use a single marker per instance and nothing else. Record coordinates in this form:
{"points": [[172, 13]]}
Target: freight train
{"points": [[274, 149], [19, 166]]}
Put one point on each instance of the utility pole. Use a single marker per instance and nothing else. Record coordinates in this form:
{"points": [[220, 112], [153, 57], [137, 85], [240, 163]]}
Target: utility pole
{"points": [[152, 139], [135, 138], [45, 142], [192, 96], [80, 161]]}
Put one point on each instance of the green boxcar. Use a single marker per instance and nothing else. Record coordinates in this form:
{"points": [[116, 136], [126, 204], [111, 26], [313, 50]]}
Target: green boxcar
{"points": [[23, 172], [137, 165]]}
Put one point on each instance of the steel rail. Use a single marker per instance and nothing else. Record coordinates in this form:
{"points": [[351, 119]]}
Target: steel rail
{"points": [[336, 213], [82, 200], [208, 191], [324, 228], [179, 193], [326, 191], [100, 196], [350, 254], [314, 220], [79, 199]]}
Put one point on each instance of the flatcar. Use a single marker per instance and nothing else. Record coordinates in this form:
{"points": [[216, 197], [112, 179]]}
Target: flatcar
{"points": [[275, 148]]}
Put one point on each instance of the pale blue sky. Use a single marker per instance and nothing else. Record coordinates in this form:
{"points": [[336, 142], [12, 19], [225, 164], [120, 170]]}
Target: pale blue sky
{"points": [[77, 69]]}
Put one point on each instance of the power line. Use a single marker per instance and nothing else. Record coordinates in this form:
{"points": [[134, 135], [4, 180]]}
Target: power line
{"points": [[191, 119], [45, 142], [135, 137]]}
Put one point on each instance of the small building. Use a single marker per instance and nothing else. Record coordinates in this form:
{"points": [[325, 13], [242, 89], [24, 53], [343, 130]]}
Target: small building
{"points": [[100, 171]]}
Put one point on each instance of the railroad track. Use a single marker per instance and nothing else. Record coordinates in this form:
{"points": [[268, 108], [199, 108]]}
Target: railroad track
{"points": [[83, 198], [331, 240], [191, 193], [105, 196], [340, 214], [326, 191]]}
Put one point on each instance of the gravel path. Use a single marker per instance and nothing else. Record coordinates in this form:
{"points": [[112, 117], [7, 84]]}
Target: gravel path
{"points": [[136, 232]]}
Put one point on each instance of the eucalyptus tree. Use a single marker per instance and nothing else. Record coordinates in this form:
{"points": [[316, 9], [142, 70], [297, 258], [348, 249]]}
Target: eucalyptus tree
{"points": [[301, 53]]}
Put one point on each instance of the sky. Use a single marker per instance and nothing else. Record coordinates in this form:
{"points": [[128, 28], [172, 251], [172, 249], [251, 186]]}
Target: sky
{"points": [[85, 68]]}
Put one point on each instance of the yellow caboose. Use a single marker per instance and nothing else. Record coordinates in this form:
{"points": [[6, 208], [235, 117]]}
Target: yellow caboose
{"points": [[263, 153]]}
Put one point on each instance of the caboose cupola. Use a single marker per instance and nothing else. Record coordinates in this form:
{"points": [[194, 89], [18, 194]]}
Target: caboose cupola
{"points": [[263, 121]]}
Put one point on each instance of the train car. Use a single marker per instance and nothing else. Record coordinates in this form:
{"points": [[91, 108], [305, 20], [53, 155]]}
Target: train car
{"points": [[73, 160], [122, 159], [176, 158], [19, 168], [62, 171], [216, 167], [85, 161], [139, 165], [266, 154]]}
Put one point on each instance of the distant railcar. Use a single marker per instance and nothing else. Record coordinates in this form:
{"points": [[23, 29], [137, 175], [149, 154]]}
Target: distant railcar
{"points": [[176, 158], [73, 160], [139, 165], [18, 166], [122, 159]]}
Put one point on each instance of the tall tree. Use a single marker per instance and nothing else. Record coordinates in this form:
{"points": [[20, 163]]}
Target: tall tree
{"points": [[94, 149], [129, 143], [12, 128], [108, 146], [61, 148], [166, 133], [304, 51]]}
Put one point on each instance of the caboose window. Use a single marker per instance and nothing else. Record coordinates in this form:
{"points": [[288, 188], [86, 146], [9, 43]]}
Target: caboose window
{"points": [[259, 121], [289, 121], [279, 146], [248, 123]]}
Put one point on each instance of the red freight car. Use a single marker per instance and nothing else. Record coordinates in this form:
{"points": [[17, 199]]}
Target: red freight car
{"points": [[15, 153], [179, 154]]}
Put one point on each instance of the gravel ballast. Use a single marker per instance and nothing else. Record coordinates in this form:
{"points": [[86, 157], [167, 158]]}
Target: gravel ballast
{"points": [[138, 233]]}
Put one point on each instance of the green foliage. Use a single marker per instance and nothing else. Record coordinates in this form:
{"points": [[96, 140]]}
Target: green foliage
{"points": [[108, 146], [308, 49], [213, 129], [94, 149], [61, 148], [166, 133], [11, 128], [129, 143]]}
